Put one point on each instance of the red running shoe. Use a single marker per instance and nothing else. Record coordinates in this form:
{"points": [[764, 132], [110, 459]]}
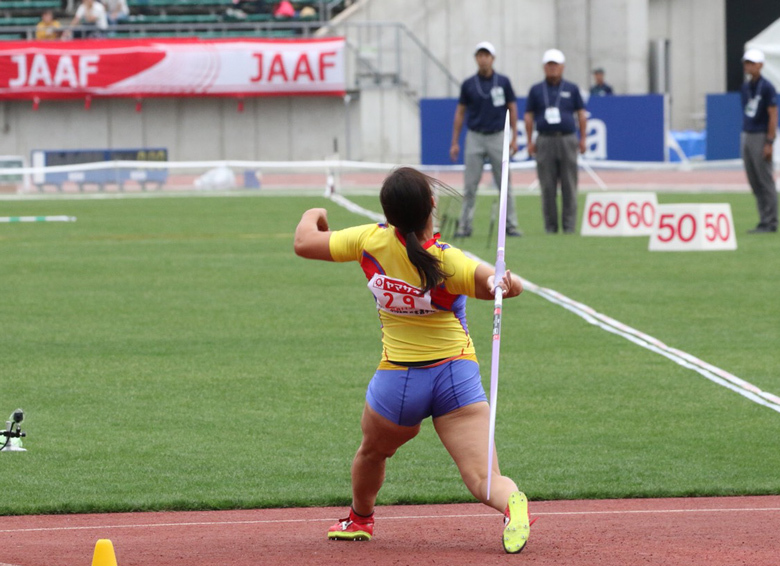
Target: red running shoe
{"points": [[353, 527]]}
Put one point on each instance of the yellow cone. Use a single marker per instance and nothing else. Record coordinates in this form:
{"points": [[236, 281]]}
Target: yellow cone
{"points": [[104, 553]]}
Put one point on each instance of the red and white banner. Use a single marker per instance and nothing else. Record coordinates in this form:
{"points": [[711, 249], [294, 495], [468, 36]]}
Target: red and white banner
{"points": [[171, 67]]}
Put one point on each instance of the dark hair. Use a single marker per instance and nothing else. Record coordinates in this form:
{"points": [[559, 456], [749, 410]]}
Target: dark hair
{"points": [[407, 201]]}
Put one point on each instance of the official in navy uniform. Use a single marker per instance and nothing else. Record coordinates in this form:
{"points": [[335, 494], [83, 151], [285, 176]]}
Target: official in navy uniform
{"points": [[759, 126], [556, 107], [600, 88], [484, 100]]}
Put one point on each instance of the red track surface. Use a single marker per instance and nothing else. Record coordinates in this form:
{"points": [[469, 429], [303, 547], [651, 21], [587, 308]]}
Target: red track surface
{"points": [[668, 532]]}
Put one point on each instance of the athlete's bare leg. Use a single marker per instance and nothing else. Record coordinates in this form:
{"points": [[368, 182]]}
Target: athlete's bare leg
{"points": [[464, 433], [381, 439]]}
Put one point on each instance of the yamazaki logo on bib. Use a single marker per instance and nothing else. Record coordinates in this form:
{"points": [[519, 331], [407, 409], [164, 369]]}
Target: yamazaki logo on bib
{"points": [[399, 297]]}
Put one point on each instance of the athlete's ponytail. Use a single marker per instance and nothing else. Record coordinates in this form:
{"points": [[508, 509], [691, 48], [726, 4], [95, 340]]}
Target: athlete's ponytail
{"points": [[407, 201]]}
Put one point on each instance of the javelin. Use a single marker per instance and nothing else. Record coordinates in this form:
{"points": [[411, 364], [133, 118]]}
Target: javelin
{"points": [[499, 294]]}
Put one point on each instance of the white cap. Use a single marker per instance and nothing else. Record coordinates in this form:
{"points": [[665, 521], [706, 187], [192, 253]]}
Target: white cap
{"points": [[487, 46], [754, 56], [553, 56]]}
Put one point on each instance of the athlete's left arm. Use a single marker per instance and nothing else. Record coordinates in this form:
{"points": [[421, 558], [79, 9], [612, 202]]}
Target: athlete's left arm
{"points": [[312, 236], [484, 283]]}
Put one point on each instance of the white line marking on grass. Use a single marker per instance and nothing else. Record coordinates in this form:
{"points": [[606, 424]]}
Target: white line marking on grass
{"points": [[713, 373], [357, 209], [399, 518]]}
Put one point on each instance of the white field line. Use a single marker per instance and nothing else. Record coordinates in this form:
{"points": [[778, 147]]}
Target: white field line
{"points": [[399, 518], [357, 209], [713, 373], [37, 219]]}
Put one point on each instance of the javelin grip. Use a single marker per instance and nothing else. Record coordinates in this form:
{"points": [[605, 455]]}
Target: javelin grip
{"points": [[499, 275]]}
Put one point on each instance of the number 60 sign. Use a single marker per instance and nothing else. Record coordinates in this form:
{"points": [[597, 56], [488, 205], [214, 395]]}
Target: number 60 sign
{"points": [[619, 214], [690, 227]]}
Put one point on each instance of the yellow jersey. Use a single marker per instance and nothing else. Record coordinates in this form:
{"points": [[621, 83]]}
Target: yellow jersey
{"points": [[50, 30], [415, 327]]}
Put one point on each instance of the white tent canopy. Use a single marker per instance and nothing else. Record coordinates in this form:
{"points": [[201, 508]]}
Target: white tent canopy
{"points": [[768, 41]]}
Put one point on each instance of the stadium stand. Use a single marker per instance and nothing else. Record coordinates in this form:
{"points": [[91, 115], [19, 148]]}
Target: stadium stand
{"points": [[178, 18], [11, 8]]}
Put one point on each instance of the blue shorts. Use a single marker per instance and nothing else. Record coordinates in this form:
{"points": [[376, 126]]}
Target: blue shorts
{"points": [[407, 396]]}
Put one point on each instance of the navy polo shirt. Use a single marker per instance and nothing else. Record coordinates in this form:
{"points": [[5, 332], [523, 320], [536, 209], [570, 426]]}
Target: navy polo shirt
{"points": [[757, 97], [486, 101], [565, 95], [601, 90]]}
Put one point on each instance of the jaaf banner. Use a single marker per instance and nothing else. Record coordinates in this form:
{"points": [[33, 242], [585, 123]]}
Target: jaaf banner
{"points": [[171, 67]]}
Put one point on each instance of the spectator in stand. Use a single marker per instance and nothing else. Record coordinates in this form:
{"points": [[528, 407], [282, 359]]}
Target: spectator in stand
{"points": [[308, 12], [284, 10], [117, 11], [600, 88], [252, 7], [90, 14], [48, 27]]}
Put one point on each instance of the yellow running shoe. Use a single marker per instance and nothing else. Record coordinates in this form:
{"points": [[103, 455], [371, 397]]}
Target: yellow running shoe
{"points": [[517, 523]]}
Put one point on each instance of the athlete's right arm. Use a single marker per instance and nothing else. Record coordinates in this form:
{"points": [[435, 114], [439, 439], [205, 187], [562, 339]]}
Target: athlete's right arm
{"points": [[312, 237], [484, 283]]}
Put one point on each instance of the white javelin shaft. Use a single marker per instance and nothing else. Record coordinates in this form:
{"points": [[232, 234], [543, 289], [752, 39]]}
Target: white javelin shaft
{"points": [[500, 269]]}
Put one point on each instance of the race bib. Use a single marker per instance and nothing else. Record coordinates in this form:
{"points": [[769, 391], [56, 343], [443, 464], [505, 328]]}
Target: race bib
{"points": [[552, 115], [497, 93], [752, 106], [396, 296]]}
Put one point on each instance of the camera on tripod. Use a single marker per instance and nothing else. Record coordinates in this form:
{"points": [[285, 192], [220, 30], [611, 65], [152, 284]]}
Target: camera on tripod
{"points": [[11, 437]]}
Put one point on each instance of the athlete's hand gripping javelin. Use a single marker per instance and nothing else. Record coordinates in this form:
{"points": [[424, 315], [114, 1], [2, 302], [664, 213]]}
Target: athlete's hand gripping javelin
{"points": [[510, 284]]}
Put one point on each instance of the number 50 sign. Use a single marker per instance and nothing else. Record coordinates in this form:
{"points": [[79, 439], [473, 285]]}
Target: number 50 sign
{"points": [[619, 214], [689, 227]]}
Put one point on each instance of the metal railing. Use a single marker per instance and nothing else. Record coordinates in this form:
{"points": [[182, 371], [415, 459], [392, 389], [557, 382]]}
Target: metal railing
{"points": [[389, 55], [232, 24], [200, 29]]}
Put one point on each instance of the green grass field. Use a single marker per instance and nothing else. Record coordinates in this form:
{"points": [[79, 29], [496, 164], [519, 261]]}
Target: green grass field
{"points": [[173, 353]]}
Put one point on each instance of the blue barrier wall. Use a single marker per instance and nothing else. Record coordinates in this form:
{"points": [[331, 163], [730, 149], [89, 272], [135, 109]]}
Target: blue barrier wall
{"points": [[724, 123], [50, 158], [622, 128]]}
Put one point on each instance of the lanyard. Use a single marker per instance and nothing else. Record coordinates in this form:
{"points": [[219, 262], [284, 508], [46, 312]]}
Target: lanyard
{"points": [[479, 88], [758, 87], [547, 96]]}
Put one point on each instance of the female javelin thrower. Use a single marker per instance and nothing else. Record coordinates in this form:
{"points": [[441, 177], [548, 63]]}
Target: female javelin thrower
{"points": [[428, 366]]}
